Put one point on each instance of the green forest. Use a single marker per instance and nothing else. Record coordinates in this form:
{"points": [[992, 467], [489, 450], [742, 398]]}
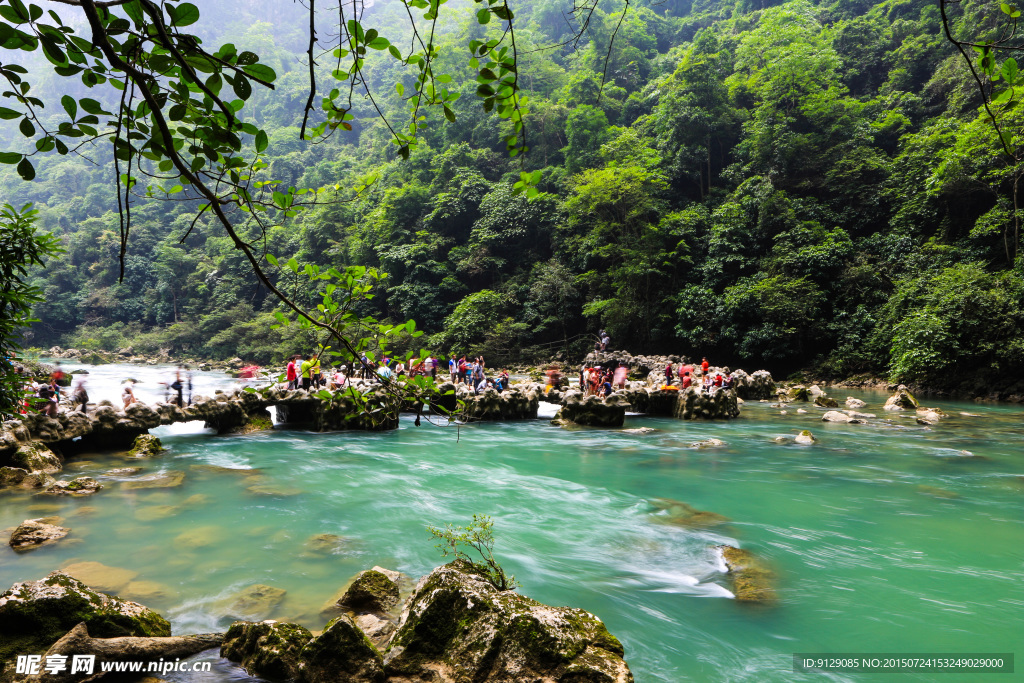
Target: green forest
{"points": [[807, 187]]}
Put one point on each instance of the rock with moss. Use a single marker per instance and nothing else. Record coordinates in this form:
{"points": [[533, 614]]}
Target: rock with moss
{"points": [[592, 411], [12, 476], [836, 416], [341, 654], [80, 486], [676, 512], [33, 533], [798, 393], [805, 437], [146, 445], [752, 580], [268, 648], [458, 627], [901, 400], [823, 401], [930, 416], [371, 592], [35, 457], [36, 614]]}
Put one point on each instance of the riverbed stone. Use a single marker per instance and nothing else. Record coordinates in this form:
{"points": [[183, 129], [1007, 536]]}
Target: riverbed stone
{"points": [[325, 544], [268, 648], [147, 590], [371, 591], [592, 411], [824, 401], [168, 479], [341, 654], [123, 471], [35, 614], [930, 416], [79, 486], [12, 476], [33, 533], [854, 403], [753, 581], [457, 626], [678, 513], [146, 445], [798, 393], [257, 601], [99, 576]]}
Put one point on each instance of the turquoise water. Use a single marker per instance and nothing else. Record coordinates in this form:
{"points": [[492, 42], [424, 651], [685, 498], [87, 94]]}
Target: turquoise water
{"points": [[885, 537]]}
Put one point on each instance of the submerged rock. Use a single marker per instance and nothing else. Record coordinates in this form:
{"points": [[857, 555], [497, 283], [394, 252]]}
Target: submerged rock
{"points": [[267, 648], [33, 533], [36, 614], [458, 627], [145, 445], [639, 431], [752, 580], [930, 416], [168, 479], [707, 443], [254, 602], [372, 591], [325, 544], [676, 512], [901, 400], [825, 402], [100, 576]]}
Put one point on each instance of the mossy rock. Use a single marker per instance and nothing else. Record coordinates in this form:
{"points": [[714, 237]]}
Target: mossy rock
{"points": [[371, 591], [268, 648], [35, 457], [459, 625], [146, 445], [798, 393], [35, 614], [341, 654], [752, 580]]}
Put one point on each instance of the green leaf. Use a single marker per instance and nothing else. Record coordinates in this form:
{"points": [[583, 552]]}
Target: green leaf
{"points": [[26, 170], [379, 43], [261, 141], [261, 72], [293, 265], [448, 113], [26, 128], [399, 88], [242, 87], [10, 157], [395, 52], [184, 14], [484, 16], [9, 114], [272, 260]]}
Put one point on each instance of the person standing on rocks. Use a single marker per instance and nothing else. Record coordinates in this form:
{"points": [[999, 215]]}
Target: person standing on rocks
{"points": [[620, 377], [128, 394], [291, 375], [80, 397], [668, 374], [177, 386], [306, 370], [316, 376], [704, 366]]}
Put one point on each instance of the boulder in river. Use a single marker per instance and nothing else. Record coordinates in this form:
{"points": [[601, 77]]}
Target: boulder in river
{"points": [[901, 400], [371, 591], [269, 649], [836, 416], [798, 393], [752, 580], [79, 486], [930, 416], [33, 533], [805, 437], [852, 402], [146, 445], [825, 401], [458, 627], [592, 411], [36, 614], [99, 576], [707, 443], [678, 513]]}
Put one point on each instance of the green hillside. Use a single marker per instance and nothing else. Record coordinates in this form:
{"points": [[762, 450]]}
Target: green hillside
{"points": [[794, 186]]}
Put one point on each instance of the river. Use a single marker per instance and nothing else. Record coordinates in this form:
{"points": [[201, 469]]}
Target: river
{"points": [[886, 537]]}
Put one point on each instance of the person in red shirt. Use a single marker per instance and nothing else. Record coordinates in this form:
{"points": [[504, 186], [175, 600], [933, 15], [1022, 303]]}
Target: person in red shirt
{"points": [[704, 365], [718, 380], [668, 374], [687, 380], [291, 375]]}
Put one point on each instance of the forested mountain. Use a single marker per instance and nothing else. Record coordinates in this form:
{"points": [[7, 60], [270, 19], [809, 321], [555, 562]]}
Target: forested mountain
{"points": [[796, 186]]}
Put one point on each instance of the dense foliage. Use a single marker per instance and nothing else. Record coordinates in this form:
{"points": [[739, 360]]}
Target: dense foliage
{"points": [[797, 186]]}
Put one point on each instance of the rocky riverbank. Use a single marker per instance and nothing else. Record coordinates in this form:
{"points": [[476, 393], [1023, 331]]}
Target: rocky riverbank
{"points": [[454, 626]]}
